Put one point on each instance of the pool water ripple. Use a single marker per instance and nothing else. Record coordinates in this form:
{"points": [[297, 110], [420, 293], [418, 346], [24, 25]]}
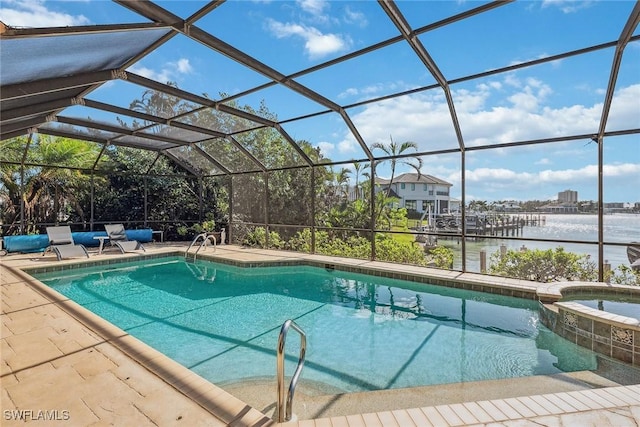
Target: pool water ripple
{"points": [[364, 333]]}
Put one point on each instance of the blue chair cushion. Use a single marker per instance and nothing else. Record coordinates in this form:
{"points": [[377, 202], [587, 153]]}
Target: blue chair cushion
{"points": [[39, 242]]}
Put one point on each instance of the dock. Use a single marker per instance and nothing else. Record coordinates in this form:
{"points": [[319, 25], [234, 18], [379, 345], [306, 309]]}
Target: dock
{"points": [[490, 225]]}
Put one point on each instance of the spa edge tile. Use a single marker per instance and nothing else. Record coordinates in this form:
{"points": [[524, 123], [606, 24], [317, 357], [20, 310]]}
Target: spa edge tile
{"points": [[622, 354], [584, 341], [585, 324]]}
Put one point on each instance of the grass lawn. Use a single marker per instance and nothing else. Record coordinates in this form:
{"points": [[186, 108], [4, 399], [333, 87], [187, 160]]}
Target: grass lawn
{"points": [[403, 238], [413, 223]]}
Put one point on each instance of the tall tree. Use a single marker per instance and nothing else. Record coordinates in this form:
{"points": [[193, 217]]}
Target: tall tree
{"points": [[358, 168], [393, 150], [55, 180]]}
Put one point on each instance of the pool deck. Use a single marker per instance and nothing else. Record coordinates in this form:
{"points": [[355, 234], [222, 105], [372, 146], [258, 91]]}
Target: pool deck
{"points": [[62, 365]]}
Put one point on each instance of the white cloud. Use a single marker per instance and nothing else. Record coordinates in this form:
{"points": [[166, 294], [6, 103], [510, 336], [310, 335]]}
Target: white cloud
{"points": [[567, 6], [367, 92], [326, 147], [352, 91], [170, 72], [354, 17], [160, 76], [349, 147], [625, 108], [36, 14], [519, 110], [314, 7], [316, 43], [507, 178], [183, 66]]}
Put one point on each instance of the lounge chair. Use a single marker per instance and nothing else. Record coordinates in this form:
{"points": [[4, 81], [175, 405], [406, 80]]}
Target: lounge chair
{"points": [[61, 243], [118, 238]]}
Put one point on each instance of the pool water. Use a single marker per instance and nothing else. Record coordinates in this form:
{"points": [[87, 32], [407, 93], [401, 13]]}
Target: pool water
{"points": [[623, 306], [363, 332]]}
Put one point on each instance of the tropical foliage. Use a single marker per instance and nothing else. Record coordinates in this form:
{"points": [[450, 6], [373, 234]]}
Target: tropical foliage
{"points": [[49, 194], [553, 265], [353, 246], [106, 183], [542, 265]]}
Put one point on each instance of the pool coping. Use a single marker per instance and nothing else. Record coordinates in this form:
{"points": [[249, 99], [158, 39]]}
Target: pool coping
{"points": [[452, 279], [210, 396], [518, 288]]}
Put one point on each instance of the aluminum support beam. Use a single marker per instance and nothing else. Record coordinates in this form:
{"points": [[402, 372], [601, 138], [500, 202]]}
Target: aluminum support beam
{"points": [[211, 159], [156, 13], [20, 33], [39, 87], [179, 161], [623, 40], [411, 37], [17, 114]]}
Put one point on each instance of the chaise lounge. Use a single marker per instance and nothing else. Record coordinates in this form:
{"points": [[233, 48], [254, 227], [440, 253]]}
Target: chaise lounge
{"points": [[118, 237], [62, 244]]}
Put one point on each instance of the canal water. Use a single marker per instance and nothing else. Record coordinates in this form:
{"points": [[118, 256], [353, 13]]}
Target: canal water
{"points": [[618, 228]]}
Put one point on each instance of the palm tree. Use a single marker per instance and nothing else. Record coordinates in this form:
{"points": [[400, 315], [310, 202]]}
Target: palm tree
{"points": [[47, 190], [338, 188], [358, 168], [393, 150]]}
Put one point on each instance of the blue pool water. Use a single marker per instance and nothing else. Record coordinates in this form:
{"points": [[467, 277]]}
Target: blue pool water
{"points": [[623, 306], [363, 332]]}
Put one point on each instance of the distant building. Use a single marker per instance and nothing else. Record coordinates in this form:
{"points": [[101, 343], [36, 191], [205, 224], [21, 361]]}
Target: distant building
{"points": [[417, 194], [563, 208], [508, 207], [617, 207], [568, 196]]}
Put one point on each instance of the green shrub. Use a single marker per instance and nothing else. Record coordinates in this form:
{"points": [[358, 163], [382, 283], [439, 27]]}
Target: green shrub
{"points": [[388, 248], [624, 275], [257, 238], [551, 265], [442, 257], [392, 250]]}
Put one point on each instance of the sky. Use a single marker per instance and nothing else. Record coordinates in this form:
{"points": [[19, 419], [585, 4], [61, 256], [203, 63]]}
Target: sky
{"points": [[558, 98]]}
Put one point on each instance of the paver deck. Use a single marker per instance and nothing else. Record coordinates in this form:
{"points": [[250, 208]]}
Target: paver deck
{"points": [[63, 365]]}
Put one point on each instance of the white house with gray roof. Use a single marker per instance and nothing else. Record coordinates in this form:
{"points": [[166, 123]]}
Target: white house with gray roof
{"points": [[418, 193]]}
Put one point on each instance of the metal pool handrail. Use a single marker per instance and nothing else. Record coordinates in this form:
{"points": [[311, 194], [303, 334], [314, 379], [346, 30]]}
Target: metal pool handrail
{"points": [[205, 239], [283, 410]]}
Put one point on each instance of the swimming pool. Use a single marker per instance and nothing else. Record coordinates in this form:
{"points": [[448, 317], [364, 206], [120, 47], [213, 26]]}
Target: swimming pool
{"points": [[363, 332]]}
